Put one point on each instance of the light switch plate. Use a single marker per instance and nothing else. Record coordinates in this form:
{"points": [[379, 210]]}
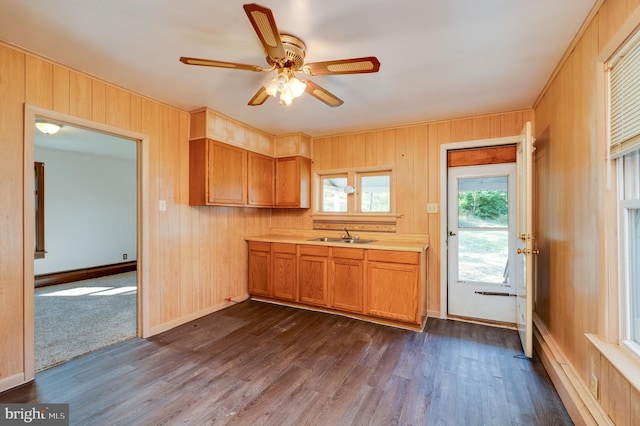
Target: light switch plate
{"points": [[432, 208], [163, 205]]}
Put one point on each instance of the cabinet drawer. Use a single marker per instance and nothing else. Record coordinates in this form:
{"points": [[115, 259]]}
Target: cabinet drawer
{"points": [[347, 253], [259, 246], [314, 250], [284, 248], [389, 256]]}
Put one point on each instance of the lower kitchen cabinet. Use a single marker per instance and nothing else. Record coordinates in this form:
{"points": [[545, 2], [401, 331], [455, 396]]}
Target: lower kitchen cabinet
{"points": [[313, 265], [260, 268], [384, 285], [393, 283], [284, 266], [346, 280]]}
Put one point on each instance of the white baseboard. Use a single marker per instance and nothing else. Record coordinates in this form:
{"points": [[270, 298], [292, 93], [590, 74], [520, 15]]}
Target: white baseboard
{"points": [[581, 405], [12, 381]]}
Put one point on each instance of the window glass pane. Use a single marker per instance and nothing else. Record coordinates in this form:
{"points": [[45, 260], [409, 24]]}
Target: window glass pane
{"points": [[334, 199], [483, 202], [375, 194], [483, 256], [634, 272]]}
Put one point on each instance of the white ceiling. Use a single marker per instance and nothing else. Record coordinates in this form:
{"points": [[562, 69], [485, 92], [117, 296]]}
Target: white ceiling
{"points": [[439, 58], [75, 139]]}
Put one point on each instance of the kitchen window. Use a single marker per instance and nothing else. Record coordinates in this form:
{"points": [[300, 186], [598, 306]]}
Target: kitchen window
{"points": [[360, 191], [624, 149]]}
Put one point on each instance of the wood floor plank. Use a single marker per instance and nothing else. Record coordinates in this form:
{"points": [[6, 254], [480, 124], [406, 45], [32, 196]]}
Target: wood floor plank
{"points": [[256, 363]]}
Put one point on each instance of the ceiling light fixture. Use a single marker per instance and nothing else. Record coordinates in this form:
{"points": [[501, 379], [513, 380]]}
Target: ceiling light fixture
{"points": [[48, 128], [287, 84]]}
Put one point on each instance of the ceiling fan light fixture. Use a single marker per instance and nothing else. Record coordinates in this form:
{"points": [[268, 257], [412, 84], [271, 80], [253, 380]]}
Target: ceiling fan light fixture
{"points": [[297, 87], [287, 85], [48, 128]]}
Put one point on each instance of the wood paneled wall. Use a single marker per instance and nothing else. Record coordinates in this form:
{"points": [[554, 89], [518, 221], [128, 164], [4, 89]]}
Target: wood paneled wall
{"points": [[197, 255], [573, 302], [414, 152]]}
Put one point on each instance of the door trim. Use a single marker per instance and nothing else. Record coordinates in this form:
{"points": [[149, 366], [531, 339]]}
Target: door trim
{"points": [[444, 149], [143, 215]]}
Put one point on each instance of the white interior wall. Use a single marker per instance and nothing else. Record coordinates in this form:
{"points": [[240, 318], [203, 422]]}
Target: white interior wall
{"points": [[90, 210]]}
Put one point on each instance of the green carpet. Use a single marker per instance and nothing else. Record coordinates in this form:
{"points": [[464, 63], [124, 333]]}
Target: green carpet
{"points": [[76, 318]]}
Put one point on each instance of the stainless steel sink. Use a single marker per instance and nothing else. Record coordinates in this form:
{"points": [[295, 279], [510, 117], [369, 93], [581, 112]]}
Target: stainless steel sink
{"points": [[341, 240]]}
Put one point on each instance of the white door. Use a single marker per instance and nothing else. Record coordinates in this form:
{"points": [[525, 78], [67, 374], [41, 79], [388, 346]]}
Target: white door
{"points": [[481, 239], [524, 282]]}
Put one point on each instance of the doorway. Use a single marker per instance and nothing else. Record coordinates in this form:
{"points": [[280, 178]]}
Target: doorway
{"points": [[481, 238], [85, 296], [142, 143]]}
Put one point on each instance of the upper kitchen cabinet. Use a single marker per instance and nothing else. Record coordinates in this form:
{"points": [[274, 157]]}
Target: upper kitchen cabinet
{"points": [[261, 180], [232, 164], [217, 174], [293, 176]]}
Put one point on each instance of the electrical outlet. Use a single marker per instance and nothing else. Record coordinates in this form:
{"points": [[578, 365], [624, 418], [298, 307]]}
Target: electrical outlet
{"points": [[163, 205], [432, 208], [594, 385], [124, 256]]}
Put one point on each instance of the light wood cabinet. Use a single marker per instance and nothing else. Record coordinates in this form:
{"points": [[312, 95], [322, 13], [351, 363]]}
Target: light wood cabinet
{"points": [[260, 282], [346, 279], [217, 173], [225, 175], [292, 182], [260, 169], [313, 264], [382, 285], [393, 284], [284, 266]]}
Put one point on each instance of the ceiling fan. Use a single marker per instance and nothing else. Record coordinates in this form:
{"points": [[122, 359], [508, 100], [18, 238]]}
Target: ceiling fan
{"points": [[285, 54]]}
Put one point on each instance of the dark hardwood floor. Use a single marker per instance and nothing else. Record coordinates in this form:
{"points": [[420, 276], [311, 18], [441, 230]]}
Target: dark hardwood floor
{"points": [[257, 363]]}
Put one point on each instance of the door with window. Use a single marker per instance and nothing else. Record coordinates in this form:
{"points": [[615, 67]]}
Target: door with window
{"points": [[481, 242]]}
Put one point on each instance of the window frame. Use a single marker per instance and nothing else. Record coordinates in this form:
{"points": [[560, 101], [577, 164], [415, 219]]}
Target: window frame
{"points": [[627, 312], [354, 179], [359, 191]]}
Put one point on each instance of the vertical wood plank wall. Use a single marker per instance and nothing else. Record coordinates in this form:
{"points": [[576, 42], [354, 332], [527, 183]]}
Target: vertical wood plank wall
{"points": [[576, 205], [414, 152], [197, 254]]}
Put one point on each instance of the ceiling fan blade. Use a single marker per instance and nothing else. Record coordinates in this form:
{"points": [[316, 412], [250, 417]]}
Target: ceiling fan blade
{"points": [[220, 64], [260, 97], [323, 94], [343, 66], [264, 25]]}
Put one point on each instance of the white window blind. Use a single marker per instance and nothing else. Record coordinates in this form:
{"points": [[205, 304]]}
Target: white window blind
{"points": [[624, 99]]}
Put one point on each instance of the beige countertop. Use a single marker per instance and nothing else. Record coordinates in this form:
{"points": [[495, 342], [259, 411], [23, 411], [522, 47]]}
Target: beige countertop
{"points": [[398, 242]]}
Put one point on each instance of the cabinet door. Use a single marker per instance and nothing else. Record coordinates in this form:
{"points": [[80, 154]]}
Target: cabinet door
{"points": [[227, 174], [312, 282], [346, 284], [293, 176], [260, 269], [284, 275], [393, 291], [260, 180]]}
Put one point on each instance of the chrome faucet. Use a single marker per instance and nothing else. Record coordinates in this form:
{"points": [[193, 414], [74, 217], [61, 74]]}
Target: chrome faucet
{"points": [[344, 228]]}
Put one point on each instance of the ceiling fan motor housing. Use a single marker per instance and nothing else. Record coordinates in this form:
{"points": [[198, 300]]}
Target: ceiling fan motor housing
{"points": [[294, 49]]}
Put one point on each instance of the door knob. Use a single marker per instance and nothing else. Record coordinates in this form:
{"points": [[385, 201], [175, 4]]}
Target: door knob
{"points": [[452, 234]]}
